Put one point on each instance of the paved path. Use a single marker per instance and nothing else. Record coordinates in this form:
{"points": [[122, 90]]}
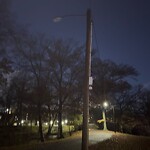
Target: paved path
{"points": [[74, 142], [96, 136]]}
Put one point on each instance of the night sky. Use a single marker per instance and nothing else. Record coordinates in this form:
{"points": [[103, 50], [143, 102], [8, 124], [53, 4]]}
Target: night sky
{"points": [[122, 27]]}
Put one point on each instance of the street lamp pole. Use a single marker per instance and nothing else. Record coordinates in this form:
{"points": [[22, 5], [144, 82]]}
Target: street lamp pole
{"points": [[104, 118], [85, 129], [105, 105], [114, 120]]}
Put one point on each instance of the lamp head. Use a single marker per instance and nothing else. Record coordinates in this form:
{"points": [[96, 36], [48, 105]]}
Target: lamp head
{"points": [[57, 19], [105, 104]]}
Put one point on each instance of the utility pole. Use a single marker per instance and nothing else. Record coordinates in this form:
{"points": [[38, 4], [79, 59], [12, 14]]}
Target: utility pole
{"points": [[87, 77], [85, 127]]}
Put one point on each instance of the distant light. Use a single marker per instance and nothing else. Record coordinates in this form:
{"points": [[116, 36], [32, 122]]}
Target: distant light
{"points": [[105, 104], [29, 124], [62, 122], [66, 121], [38, 123], [22, 121], [51, 122], [7, 110], [10, 111], [15, 124], [46, 123]]}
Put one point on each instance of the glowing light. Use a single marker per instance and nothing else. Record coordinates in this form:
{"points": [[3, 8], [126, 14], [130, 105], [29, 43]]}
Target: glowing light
{"points": [[38, 123], [66, 121], [15, 124], [51, 122], [105, 104], [7, 110], [62, 122]]}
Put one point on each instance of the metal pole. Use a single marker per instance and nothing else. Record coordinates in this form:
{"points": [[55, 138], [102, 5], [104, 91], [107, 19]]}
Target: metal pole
{"points": [[85, 128], [114, 120]]}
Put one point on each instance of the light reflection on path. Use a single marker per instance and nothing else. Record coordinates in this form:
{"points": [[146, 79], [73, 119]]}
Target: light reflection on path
{"points": [[96, 136]]}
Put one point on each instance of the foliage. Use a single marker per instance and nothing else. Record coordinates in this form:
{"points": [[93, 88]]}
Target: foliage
{"points": [[76, 120]]}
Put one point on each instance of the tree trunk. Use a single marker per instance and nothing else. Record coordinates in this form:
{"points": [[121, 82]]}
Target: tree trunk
{"points": [[19, 112], [49, 119], [60, 130], [40, 123], [49, 127]]}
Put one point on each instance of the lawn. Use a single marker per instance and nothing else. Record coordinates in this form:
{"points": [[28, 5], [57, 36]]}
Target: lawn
{"points": [[15, 136], [118, 141], [121, 141]]}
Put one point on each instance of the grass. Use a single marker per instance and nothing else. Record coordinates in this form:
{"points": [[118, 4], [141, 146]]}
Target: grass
{"points": [[118, 141], [121, 141], [16, 135], [11, 136], [34, 145]]}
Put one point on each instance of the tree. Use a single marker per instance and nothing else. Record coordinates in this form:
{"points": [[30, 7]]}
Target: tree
{"points": [[143, 104], [110, 77], [7, 100], [20, 84], [32, 52], [65, 62], [111, 83]]}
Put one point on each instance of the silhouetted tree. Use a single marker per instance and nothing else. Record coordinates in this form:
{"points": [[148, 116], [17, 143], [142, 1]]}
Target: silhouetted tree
{"points": [[65, 60], [143, 104], [32, 52], [111, 83]]}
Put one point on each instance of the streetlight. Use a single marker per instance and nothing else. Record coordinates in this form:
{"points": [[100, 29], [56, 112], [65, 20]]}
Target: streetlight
{"points": [[87, 75], [59, 18], [105, 105]]}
